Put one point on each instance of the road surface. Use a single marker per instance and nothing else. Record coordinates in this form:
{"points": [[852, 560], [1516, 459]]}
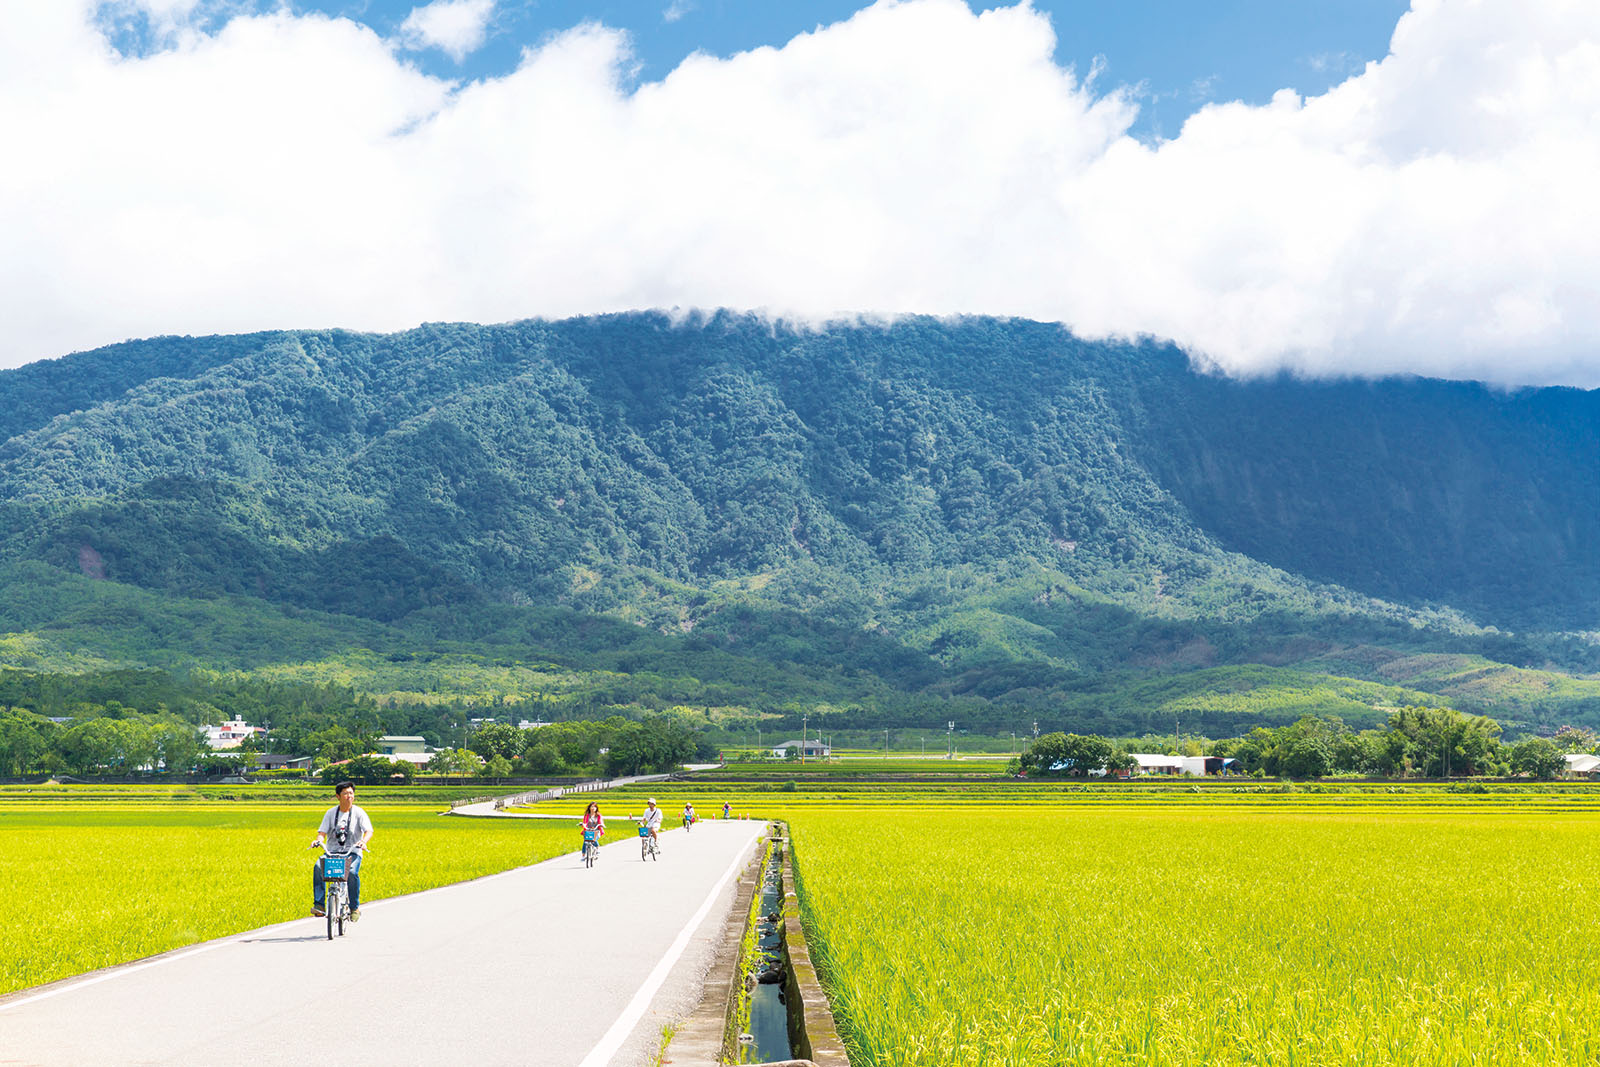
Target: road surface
{"points": [[552, 965]]}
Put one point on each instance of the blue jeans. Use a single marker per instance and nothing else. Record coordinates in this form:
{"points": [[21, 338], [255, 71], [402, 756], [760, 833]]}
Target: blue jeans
{"points": [[352, 867]]}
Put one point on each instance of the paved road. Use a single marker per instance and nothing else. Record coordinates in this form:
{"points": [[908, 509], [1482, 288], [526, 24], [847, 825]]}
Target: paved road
{"points": [[537, 966]]}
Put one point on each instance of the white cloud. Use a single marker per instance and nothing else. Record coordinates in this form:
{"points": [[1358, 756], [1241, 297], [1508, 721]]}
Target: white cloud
{"points": [[456, 27], [1434, 213], [676, 10]]}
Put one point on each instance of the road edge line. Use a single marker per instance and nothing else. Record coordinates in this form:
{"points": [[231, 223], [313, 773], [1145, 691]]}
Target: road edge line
{"points": [[609, 1044]]}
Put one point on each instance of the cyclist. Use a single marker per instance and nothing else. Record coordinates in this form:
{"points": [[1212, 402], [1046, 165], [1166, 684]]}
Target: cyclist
{"points": [[345, 831], [652, 820], [688, 816], [593, 820], [725, 809]]}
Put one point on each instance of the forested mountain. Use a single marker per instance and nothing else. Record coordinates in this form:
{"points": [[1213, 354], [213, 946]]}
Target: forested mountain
{"points": [[982, 508]]}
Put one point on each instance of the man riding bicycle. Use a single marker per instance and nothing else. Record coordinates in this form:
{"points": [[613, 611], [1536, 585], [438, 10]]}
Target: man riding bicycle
{"points": [[345, 831]]}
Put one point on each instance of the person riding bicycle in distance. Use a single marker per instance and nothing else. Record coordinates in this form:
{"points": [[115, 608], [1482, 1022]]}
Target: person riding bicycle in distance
{"points": [[652, 819], [688, 814], [345, 831], [593, 820]]}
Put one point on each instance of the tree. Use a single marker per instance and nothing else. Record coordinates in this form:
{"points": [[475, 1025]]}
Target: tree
{"points": [[1307, 756], [22, 742], [541, 758], [369, 770], [136, 745], [454, 762], [1443, 742], [498, 767], [91, 747], [1045, 754], [1538, 757], [1574, 739], [499, 739], [177, 745], [1086, 753], [335, 745], [652, 745]]}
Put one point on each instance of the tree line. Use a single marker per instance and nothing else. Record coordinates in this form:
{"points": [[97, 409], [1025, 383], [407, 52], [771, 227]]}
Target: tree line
{"points": [[1416, 742]]}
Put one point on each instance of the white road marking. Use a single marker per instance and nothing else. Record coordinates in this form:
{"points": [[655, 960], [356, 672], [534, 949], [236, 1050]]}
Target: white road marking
{"points": [[70, 986], [614, 1037]]}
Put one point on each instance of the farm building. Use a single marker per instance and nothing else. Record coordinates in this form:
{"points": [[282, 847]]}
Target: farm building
{"points": [[1193, 766], [1583, 765], [809, 749], [407, 749], [268, 761]]}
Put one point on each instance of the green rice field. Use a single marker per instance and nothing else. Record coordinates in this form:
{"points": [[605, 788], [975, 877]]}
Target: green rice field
{"points": [[87, 883], [1219, 936], [1063, 925], [983, 923]]}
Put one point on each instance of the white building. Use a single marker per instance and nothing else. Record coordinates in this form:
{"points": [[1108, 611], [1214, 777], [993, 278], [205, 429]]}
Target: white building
{"points": [[397, 748], [809, 749], [230, 734], [1192, 766], [1582, 765]]}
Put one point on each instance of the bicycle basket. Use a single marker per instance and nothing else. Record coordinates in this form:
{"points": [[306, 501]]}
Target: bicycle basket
{"points": [[333, 866], [644, 831], [590, 837]]}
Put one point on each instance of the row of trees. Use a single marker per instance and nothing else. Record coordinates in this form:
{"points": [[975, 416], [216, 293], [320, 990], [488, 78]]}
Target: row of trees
{"points": [[614, 745], [1415, 742], [31, 743], [132, 743]]}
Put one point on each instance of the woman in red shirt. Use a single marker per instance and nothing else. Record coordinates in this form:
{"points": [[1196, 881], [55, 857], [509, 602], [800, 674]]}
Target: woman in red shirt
{"points": [[593, 820]]}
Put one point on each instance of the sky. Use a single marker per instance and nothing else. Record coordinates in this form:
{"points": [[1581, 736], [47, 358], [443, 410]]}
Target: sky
{"points": [[1329, 187]]}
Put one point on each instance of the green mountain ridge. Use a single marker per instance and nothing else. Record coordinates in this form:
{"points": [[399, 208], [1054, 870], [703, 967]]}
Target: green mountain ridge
{"points": [[884, 518]]}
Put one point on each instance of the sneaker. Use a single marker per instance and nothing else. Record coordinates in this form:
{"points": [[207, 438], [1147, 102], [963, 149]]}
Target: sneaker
{"points": [[317, 912], [355, 916]]}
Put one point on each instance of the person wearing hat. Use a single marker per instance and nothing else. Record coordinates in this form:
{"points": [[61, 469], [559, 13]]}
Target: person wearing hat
{"points": [[652, 820]]}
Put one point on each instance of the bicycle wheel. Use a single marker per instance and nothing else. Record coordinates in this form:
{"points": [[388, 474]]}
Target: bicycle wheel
{"points": [[644, 849], [331, 903], [588, 855], [344, 910]]}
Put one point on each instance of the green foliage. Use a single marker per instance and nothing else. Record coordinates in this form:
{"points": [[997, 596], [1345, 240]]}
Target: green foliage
{"points": [[368, 770], [1538, 757], [989, 521]]}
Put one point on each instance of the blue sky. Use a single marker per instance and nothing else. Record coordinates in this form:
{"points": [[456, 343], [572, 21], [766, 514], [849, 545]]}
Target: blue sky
{"points": [[1183, 53]]}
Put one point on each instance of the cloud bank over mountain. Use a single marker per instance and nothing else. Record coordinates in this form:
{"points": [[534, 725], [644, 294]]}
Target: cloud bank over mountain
{"points": [[1432, 214]]}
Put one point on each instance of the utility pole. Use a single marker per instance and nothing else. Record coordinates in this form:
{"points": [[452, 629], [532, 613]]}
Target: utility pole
{"points": [[804, 719], [950, 741], [1036, 731], [886, 742]]}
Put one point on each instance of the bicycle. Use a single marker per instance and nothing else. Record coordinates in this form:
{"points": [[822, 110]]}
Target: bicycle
{"points": [[647, 845], [591, 847], [336, 888]]}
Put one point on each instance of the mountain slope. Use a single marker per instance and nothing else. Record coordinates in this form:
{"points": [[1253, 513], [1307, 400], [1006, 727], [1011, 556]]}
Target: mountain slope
{"points": [[1022, 507]]}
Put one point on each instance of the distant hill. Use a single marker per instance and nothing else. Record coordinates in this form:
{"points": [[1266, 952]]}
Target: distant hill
{"points": [[982, 507]]}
